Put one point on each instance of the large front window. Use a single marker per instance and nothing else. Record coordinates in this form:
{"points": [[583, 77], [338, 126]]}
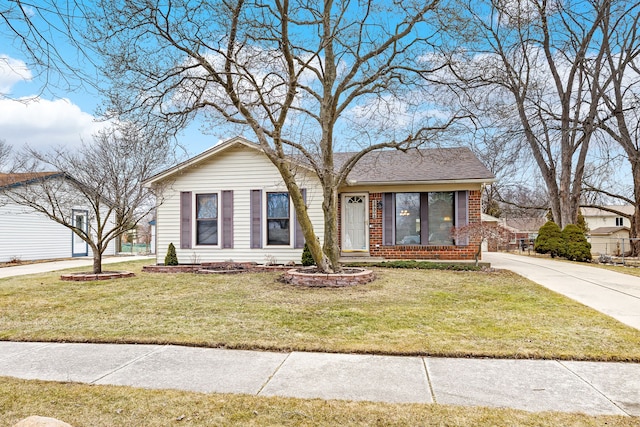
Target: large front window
{"points": [[207, 219], [407, 218], [441, 214], [278, 221]]}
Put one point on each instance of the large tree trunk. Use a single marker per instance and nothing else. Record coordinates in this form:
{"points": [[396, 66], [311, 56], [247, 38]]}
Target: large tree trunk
{"points": [[331, 237], [634, 230], [97, 262]]}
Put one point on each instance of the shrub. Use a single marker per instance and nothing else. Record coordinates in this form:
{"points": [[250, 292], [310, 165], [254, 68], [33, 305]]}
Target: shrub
{"points": [[549, 240], [307, 259], [172, 257], [575, 245]]}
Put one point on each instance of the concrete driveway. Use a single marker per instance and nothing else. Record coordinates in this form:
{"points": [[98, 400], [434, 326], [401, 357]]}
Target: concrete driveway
{"points": [[614, 294]]}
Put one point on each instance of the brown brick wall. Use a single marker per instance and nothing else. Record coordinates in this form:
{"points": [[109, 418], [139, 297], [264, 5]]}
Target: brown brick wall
{"points": [[377, 249]]}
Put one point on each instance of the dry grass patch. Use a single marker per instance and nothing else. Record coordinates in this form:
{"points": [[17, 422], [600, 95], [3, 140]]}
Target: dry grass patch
{"points": [[413, 312], [95, 406]]}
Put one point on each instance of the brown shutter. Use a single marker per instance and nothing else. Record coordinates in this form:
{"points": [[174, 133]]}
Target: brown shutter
{"points": [[388, 219], [185, 220], [227, 219], [462, 215], [256, 219], [424, 218], [299, 236]]}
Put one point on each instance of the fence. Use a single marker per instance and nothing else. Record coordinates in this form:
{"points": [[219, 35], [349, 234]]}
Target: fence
{"points": [[618, 247]]}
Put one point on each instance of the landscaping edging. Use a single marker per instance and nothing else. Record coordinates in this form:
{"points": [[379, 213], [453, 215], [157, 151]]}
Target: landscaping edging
{"points": [[305, 277], [86, 277], [224, 267]]}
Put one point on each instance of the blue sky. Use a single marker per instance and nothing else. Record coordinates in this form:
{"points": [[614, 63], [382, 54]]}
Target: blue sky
{"points": [[41, 115]]}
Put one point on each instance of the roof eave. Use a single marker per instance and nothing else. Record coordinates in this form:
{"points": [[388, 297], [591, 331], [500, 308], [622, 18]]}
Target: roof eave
{"points": [[351, 183]]}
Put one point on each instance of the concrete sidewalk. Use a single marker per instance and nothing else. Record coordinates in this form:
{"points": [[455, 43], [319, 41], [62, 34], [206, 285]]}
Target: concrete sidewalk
{"points": [[611, 293], [45, 267], [532, 385]]}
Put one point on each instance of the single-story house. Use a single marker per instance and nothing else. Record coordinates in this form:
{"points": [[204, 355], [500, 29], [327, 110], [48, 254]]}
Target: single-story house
{"points": [[29, 235], [230, 203]]}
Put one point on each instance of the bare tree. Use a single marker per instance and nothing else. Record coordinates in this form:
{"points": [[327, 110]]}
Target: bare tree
{"points": [[104, 177], [304, 77], [538, 52], [619, 88], [48, 34], [5, 155]]}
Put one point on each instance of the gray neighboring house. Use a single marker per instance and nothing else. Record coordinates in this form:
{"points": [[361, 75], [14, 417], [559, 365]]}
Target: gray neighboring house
{"points": [[28, 235]]}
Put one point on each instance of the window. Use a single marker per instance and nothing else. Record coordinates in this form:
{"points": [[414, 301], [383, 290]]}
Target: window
{"points": [[278, 219], [424, 218], [407, 218], [441, 214], [619, 222], [206, 219]]}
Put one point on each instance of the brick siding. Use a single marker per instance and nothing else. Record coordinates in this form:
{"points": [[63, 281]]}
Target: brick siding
{"points": [[377, 249]]}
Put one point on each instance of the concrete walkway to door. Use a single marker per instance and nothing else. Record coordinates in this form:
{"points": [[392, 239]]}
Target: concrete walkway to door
{"points": [[612, 293]]}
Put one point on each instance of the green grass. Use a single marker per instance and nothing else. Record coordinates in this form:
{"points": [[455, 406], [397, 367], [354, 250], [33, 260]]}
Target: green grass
{"points": [[405, 311], [96, 406]]}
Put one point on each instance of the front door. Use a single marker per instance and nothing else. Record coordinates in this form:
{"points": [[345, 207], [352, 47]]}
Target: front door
{"points": [[78, 246], [355, 223]]}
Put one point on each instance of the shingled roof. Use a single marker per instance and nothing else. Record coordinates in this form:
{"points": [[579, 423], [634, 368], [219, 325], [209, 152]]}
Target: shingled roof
{"points": [[7, 179], [417, 165], [379, 167]]}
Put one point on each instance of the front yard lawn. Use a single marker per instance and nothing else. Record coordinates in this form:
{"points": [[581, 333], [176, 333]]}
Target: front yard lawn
{"points": [[412, 312]]}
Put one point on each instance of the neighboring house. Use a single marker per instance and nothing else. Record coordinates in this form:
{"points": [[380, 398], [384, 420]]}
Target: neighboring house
{"points": [[230, 203], [518, 233], [608, 231], [596, 218], [29, 235]]}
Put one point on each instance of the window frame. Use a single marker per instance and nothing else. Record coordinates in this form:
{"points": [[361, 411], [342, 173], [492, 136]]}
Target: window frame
{"points": [[389, 237], [267, 219], [197, 220]]}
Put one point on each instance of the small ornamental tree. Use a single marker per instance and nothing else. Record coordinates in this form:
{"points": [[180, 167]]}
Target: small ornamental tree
{"points": [[549, 240], [575, 245], [172, 257], [307, 258]]}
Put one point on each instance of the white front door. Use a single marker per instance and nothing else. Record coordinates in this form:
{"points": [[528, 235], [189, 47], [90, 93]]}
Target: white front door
{"points": [[355, 223], [79, 246]]}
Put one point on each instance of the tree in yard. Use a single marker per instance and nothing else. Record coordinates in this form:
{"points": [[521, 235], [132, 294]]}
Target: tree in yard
{"points": [[619, 87], [104, 177], [549, 240], [307, 78], [481, 232], [5, 154], [542, 58], [575, 246]]}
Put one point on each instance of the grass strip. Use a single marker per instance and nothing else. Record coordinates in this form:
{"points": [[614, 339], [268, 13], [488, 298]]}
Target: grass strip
{"points": [[85, 405]]}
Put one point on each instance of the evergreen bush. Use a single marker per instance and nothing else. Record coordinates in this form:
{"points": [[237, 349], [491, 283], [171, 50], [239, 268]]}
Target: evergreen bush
{"points": [[575, 245], [307, 259], [549, 240], [172, 257]]}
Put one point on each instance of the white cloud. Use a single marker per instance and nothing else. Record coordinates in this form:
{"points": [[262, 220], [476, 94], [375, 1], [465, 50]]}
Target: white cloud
{"points": [[42, 123], [12, 71]]}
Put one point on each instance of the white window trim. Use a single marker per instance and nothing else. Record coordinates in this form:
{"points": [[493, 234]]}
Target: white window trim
{"points": [[265, 221], [194, 222]]}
